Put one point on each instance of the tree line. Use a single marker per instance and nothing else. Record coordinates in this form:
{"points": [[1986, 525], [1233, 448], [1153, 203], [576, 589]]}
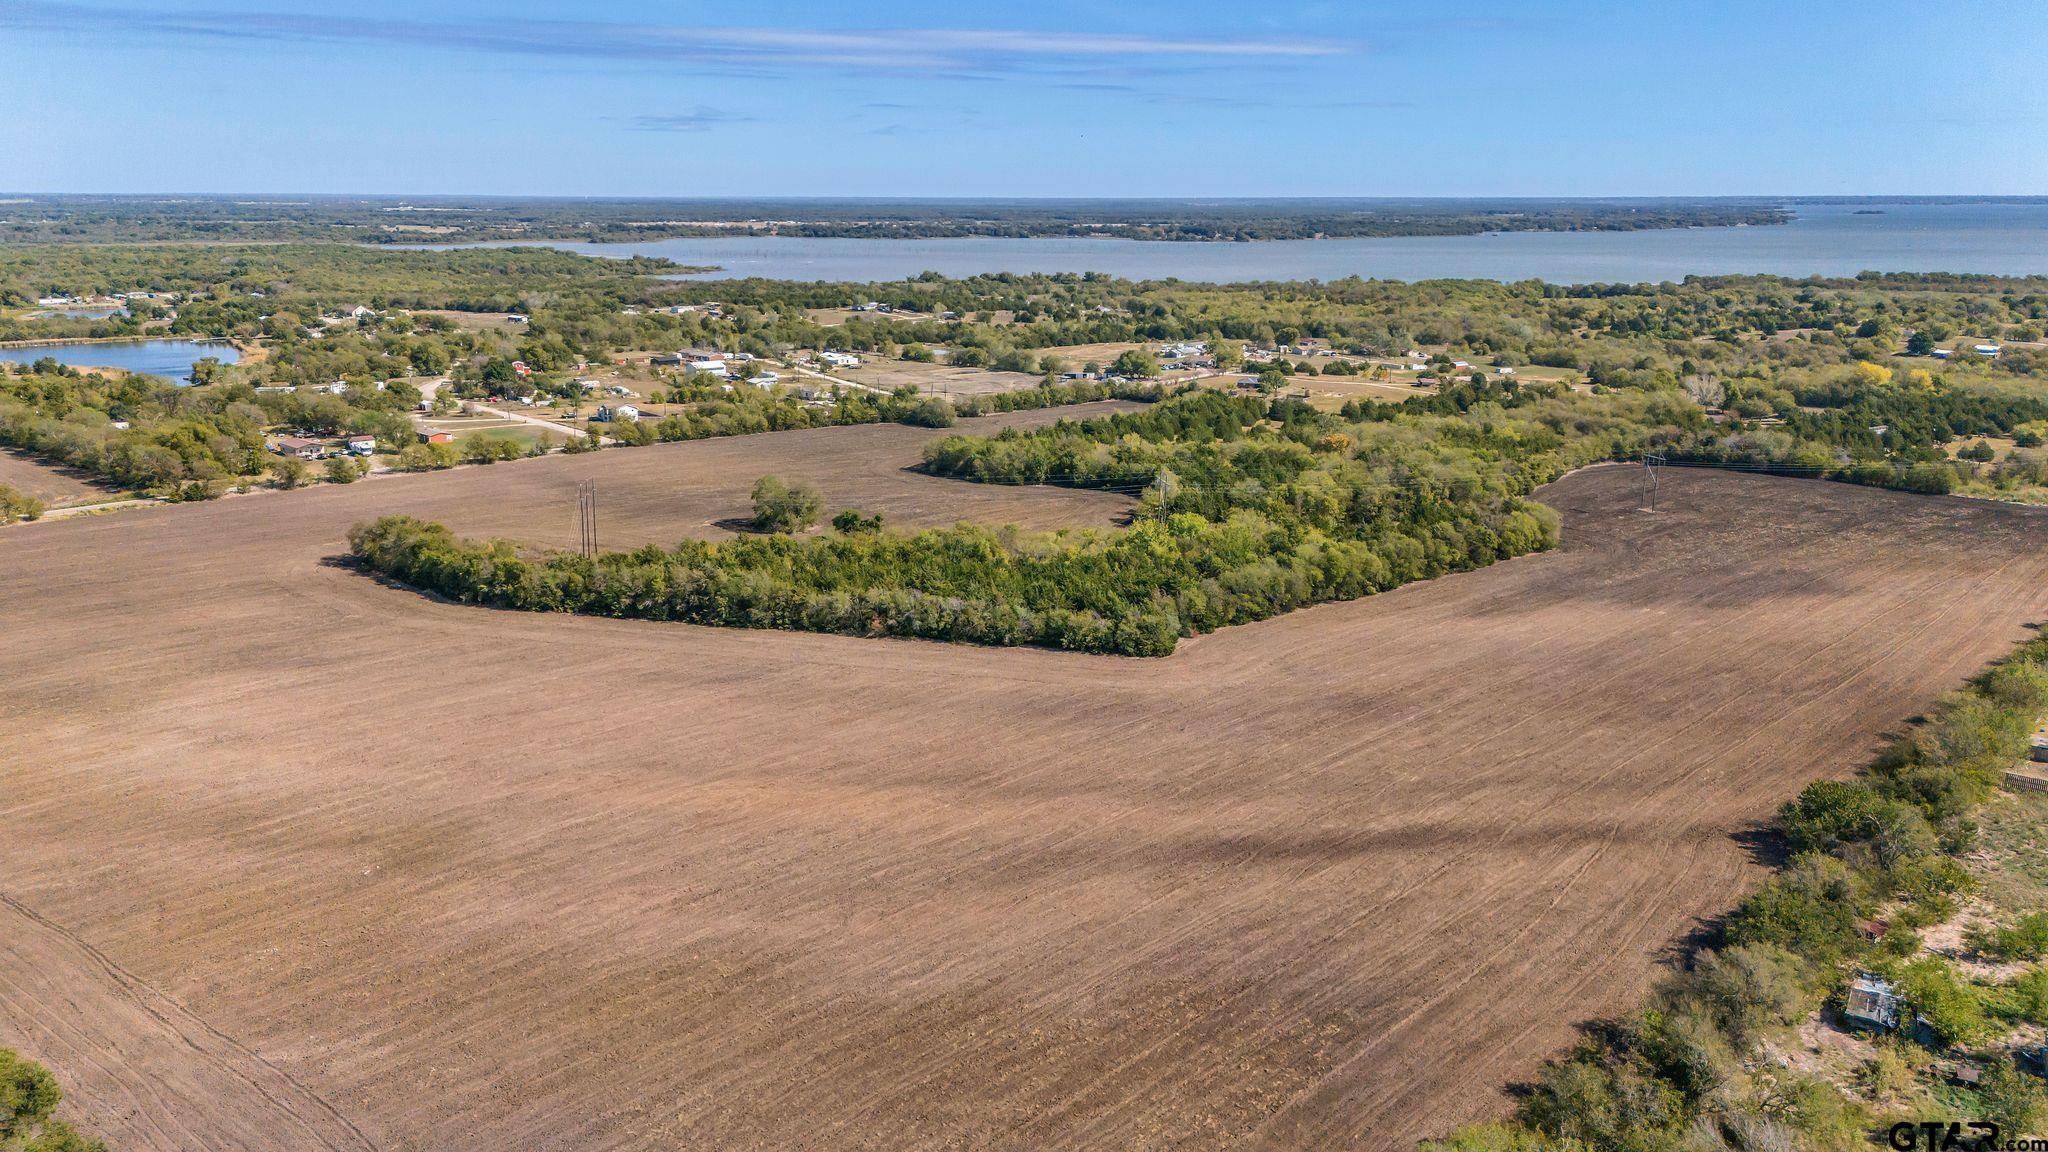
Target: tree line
{"points": [[1276, 514]]}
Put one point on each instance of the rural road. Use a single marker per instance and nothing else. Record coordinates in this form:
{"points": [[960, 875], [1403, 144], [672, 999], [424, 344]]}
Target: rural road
{"points": [[521, 417]]}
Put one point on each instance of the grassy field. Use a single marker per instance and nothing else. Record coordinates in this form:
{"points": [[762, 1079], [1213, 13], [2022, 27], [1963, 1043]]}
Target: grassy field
{"points": [[306, 858], [499, 322], [890, 375]]}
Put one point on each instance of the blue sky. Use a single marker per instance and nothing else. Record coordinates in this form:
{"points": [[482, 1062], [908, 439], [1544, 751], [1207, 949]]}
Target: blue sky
{"points": [[1057, 97]]}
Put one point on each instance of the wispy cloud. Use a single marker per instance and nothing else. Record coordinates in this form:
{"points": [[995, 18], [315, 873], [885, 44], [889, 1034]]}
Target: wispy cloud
{"points": [[920, 50], [698, 119]]}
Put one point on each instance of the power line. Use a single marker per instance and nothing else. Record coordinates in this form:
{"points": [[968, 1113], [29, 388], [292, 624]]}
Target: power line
{"points": [[586, 513]]}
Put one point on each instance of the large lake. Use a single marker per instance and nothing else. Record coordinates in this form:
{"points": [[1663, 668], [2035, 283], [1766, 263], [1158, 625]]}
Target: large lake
{"points": [[1824, 240], [171, 359]]}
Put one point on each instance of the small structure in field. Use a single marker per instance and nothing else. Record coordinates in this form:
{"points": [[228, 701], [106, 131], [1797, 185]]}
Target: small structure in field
{"points": [[297, 446], [437, 437], [362, 445], [2039, 751], [1872, 1003]]}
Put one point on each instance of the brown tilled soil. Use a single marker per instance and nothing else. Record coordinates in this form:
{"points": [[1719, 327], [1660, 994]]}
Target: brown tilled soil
{"points": [[55, 486], [295, 860]]}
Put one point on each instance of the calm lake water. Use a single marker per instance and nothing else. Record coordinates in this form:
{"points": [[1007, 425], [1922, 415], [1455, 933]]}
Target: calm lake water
{"points": [[171, 359], [1824, 240]]}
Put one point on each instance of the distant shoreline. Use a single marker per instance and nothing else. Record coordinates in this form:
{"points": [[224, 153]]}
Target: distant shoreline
{"points": [[66, 341], [394, 221]]}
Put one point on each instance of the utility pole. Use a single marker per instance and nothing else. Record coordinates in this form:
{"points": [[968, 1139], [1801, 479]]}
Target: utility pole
{"points": [[1650, 465], [586, 512]]}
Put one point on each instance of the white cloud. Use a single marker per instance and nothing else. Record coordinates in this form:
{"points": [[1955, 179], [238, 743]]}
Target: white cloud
{"points": [[925, 50]]}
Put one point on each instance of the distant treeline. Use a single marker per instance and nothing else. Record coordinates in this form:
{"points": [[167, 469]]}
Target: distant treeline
{"points": [[390, 220], [715, 412]]}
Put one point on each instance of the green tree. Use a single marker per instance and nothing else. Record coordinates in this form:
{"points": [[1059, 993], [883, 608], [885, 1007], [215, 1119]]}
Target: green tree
{"points": [[784, 507], [345, 469], [1136, 364], [289, 471], [29, 1095], [936, 412]]}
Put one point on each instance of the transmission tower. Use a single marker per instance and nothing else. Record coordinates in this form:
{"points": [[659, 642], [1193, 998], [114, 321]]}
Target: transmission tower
{"points": [[1650, 465]]}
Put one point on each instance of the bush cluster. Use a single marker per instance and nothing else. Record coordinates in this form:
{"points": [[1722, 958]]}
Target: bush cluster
{"points": [[18, 505], [29, 1095]]}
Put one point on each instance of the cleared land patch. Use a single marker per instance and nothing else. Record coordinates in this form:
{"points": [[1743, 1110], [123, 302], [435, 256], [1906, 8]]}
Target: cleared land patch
{"points": [[483, 879], [937, 378], [664, 492], [59, 487]]}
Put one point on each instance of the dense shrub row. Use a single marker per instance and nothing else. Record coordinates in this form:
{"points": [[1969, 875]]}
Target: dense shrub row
{"points": [[1133, 593], [713, 412]]}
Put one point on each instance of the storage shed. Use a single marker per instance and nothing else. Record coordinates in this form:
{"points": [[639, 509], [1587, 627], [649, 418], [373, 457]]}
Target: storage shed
{"points": [[1871, 1003]]}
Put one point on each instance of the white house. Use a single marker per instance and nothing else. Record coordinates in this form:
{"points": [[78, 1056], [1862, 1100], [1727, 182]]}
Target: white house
{"points": [[765, 379], [626, 412], [714, 367], [840, 359], [1985, 349]]}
